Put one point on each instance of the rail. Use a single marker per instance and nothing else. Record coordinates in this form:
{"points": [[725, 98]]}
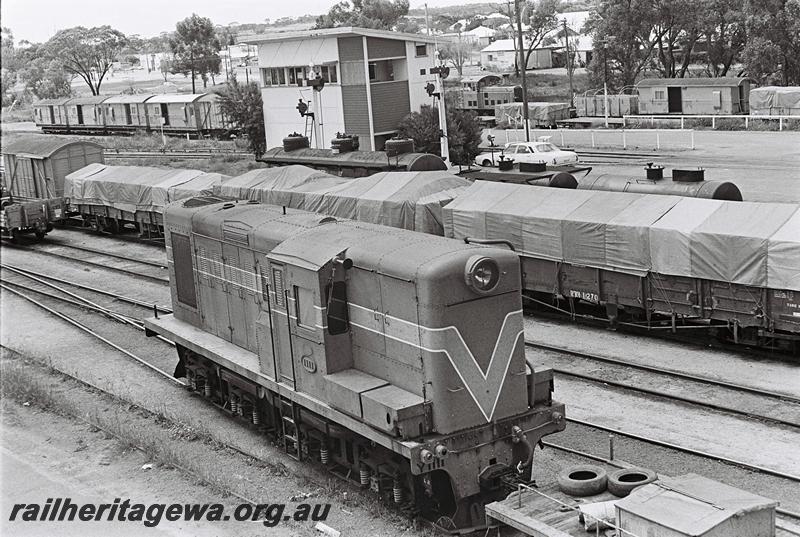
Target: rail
{"points": [[653, 118]]}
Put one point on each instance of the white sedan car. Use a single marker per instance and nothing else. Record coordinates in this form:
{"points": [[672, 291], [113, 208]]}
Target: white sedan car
{"points": [[531, 152]]}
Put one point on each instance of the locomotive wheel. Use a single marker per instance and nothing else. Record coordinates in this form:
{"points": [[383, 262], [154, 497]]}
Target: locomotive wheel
{"points": [[582, 480], [622, 482], [96, 226]]}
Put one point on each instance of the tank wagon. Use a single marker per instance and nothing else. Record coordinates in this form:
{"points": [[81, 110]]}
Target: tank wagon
{"points": [[175, 114], [689, 183], [109, 198], [696, 261], [385, 354], [345, 160], [35, 168]]}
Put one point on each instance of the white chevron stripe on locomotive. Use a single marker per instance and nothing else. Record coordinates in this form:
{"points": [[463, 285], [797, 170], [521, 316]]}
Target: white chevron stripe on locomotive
{"points": [[483, 386]]}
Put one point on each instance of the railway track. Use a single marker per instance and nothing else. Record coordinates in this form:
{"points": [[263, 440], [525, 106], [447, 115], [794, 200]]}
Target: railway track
{"points": [[666, 372], [100, 264]]}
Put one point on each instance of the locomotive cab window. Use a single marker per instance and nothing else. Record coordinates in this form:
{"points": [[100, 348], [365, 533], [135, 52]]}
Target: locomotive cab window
{"points": [[304, 307], [337, 318]]}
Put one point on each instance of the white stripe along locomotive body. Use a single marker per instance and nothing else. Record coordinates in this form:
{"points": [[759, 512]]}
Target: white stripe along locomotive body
{"points": [[396, 355]]}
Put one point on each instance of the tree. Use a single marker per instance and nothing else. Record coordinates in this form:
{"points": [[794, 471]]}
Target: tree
{"points": [[242, 105], [457, 53], [724, 34], [540, 18], [772, 53], [678, 27], [86, 52], [379, 14], [625, 37], [9, 69], [196, 48], [464, 133]]}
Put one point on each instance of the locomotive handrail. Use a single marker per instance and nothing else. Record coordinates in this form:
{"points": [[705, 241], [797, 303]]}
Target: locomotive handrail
{"points": [[468, 240]]}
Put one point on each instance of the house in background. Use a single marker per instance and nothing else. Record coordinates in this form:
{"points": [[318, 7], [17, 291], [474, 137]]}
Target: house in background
{"points": [[480, 36], [704, 96], [373, 79], [501, 56]]}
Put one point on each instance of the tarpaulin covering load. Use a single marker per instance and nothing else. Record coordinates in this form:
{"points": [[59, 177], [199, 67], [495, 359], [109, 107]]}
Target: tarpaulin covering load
{"points": [[136, 188], [740, 242], [783, 255], [775, 100], [724, 241], [598, 229], [409, 200], [292, 186], [543, 113]]}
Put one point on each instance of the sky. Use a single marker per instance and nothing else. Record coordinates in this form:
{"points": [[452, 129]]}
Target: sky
{"points": [[38, 20]]}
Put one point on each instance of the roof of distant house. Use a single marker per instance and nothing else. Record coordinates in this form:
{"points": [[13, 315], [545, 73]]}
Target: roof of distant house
{"points": [[344, 31]]}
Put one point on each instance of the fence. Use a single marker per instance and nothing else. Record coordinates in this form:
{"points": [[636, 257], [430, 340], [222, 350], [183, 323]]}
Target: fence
{"points": [[615, 138], [713, 117]]}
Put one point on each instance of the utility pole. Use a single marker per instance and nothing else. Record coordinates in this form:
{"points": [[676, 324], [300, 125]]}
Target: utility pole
{"points": [[427, 21], [569, 66], [522, 70], [605, 81], [444, 143]]}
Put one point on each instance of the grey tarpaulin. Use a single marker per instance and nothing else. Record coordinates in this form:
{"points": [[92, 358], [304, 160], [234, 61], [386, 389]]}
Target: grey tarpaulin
{"points": [[775, 100], [741, 242], [136, 188], [409, 200]]}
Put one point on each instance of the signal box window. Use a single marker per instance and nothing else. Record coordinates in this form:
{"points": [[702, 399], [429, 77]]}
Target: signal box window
{"points": [[422, 50]]}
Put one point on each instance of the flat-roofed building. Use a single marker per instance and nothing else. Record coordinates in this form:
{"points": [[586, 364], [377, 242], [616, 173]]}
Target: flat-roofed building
{"points": [[373, 79]]}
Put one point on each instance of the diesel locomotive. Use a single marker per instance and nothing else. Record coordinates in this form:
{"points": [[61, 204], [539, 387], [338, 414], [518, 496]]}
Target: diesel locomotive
{"points": [[393, 356]]}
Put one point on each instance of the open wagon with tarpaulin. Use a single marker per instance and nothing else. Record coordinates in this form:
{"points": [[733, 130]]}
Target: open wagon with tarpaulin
{"points": [[690, 261], [109, 198], [408, 200], [33, 181]]}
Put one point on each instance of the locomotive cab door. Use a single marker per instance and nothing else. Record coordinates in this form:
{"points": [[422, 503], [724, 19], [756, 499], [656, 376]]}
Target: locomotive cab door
{"points": [[281, 324]]}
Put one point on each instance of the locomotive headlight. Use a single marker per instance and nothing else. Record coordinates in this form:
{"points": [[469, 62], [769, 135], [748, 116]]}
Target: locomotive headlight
{"points": [[425, 456], [482, 273]]}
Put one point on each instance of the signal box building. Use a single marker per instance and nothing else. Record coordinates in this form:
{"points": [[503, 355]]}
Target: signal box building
{"points": [[373, 79], [702, 96]]}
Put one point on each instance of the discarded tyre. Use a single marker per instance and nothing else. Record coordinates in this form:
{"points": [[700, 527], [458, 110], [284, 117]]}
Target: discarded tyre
{"points": [[582, 480], [622, 482]]}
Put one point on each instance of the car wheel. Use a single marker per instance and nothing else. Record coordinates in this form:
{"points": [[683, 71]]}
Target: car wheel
{"points": [[487, 163]]}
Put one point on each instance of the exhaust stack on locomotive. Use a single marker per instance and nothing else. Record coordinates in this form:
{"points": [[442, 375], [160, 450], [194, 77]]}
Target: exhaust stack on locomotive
{"points": [[397, 356]]}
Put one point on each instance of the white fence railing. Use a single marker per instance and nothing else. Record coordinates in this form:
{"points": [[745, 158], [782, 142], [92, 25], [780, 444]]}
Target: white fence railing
{"points": [[615, 138], [713, 117]]}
